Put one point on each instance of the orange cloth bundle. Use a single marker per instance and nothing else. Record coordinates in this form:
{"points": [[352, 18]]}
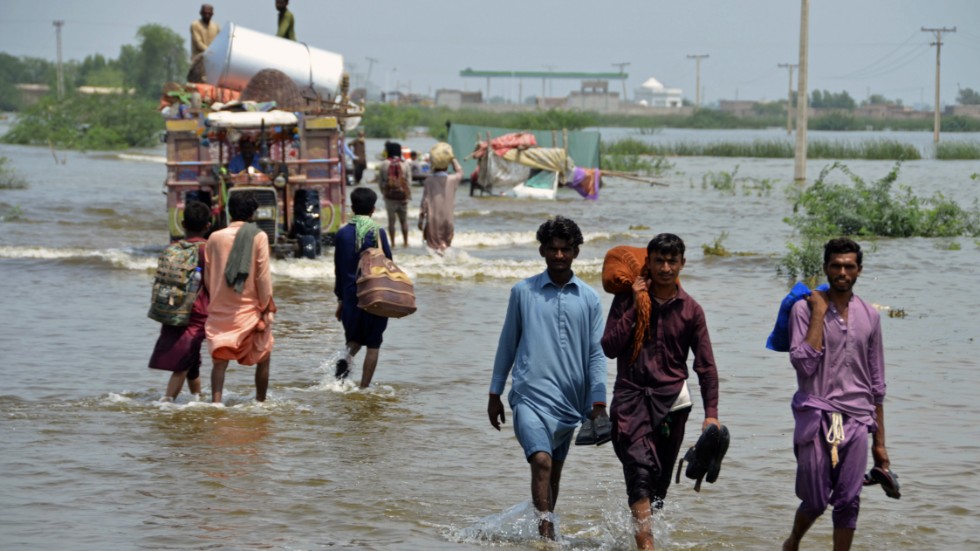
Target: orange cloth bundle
{"points": [[620, 268]]}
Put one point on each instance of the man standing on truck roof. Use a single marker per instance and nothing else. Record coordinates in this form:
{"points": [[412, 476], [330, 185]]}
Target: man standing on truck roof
{"points": [[287, 24], [203, 33]]}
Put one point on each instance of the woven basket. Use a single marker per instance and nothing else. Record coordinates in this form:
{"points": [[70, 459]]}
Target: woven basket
{"points": [[274, 85]]}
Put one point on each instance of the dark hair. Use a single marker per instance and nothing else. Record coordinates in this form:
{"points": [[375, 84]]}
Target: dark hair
{"points": [[562, 228], [196, 216], [393, 149], [842, 245], [241, 206], [667, 244], [362, 200]]}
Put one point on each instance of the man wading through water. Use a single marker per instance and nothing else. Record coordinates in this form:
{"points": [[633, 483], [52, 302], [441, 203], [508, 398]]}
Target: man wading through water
{"points": [[550, 340]]}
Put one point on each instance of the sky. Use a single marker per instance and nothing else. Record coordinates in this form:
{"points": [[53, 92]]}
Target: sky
{"points": [[861, 46]]}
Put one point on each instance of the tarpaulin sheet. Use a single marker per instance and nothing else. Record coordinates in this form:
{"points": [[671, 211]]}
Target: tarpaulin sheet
{"points": [[583, 145]]}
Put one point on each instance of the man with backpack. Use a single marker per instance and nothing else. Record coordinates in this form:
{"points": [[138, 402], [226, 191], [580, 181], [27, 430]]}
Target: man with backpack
{"points": [[239, 281], [178, 348], [395, 174]]}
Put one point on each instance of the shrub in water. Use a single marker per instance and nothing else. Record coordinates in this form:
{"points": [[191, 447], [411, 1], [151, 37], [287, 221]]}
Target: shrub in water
{"points": [[828, 209]]}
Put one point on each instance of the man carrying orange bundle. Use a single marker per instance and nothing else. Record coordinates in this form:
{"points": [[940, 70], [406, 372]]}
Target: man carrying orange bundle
{"points": [[651, 401]]}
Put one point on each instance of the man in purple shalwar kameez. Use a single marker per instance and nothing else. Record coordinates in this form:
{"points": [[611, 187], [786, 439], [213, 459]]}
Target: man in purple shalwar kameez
{"points": [[836, 350], [651, 399]]}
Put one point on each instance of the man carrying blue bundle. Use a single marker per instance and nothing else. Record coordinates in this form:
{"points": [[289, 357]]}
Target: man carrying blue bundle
{"points": [[837, 352], [551, 341]]}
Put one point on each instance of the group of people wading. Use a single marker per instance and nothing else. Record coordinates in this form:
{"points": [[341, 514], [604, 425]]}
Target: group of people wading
{"points": [[553, 345]]}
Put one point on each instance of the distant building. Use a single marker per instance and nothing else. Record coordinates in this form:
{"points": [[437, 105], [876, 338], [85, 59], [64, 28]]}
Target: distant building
{"points": [[884, 111], [31, 93], [593, 96], [654, 94], [458, 99], [739, 108], [972, 111]]}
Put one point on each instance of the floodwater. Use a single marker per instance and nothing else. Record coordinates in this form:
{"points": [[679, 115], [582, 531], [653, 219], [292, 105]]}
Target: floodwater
{"points": [[92, 460]]}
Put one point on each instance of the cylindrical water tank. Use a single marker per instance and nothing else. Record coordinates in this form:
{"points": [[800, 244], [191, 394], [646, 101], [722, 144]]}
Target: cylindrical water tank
{"points": [[237, 54]]}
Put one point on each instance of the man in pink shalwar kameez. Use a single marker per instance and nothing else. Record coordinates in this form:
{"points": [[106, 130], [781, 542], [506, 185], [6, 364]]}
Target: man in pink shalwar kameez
{"points": [[240, 316]]}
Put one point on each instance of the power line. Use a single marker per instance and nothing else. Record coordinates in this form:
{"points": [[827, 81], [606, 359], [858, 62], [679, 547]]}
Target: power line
{"points": [[888, 68], [881, 59]]}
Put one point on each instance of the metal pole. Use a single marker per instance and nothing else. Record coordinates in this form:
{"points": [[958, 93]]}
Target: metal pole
{"points": [[938, 44], [61, 72], [802, 107], [697, 59]]}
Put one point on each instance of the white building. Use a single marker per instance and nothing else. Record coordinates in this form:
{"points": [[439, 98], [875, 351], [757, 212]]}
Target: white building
{"points": [[653, 94]]}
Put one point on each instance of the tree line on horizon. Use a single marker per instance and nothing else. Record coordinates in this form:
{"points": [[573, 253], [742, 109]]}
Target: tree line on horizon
{"points": [[160, 55]]}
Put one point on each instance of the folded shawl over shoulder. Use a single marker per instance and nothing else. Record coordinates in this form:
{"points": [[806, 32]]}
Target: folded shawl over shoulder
{"points": [[620, 268], [240, 258]]}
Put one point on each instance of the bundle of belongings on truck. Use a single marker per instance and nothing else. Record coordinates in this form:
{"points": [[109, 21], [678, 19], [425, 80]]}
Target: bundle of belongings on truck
{"points": [[516, 159]]}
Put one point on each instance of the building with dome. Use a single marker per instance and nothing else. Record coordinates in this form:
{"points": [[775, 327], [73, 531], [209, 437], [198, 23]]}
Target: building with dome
{"points": [[654, 94]]}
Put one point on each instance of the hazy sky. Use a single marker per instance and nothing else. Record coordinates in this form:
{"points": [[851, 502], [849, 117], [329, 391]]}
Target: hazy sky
{"points": [[421, 46]]}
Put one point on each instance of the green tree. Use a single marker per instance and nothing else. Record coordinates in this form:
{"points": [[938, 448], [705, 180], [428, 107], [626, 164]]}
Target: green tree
{"points": [[968, 96], [96, 70], [878, 99], [830, 100], [159, 58]]}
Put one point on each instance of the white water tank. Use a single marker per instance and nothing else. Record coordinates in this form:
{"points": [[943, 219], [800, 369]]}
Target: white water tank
{"points": [[237, 54]]}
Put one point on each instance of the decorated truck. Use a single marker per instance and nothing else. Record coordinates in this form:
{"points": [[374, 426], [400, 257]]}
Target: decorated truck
{"points": [[265, 135]]}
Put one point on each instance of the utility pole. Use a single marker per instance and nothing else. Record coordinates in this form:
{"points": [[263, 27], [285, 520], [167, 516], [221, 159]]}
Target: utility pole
{"points": [[367, 80], [939, 45], [61, 71], [697, 61], [802, 107], [551, 89], [621, 66], [789, 98]]}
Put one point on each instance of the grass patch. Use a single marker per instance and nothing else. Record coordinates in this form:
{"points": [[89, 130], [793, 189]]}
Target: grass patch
{"points": [[10, 213], [728, 182], [9, 179], [717, 247], [958, 151], [720, 181], [769, 149]]}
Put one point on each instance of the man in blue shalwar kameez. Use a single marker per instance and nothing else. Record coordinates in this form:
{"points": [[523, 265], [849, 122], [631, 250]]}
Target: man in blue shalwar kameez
{"points": [[550, 340]]}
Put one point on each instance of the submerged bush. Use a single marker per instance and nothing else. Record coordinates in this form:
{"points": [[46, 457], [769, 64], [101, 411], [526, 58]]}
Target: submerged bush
{"points": [[803, 262], [9, 179], [88, 122], [829, 209]]}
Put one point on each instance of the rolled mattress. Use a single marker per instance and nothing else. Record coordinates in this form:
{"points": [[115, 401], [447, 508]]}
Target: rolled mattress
{"points": [[237, 54]]}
